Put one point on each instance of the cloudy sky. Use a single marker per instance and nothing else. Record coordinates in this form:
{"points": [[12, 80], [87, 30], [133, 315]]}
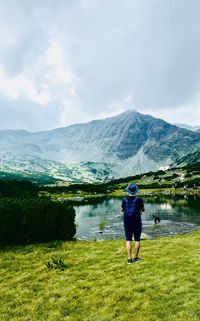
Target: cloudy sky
{"points": [[69, 61]]}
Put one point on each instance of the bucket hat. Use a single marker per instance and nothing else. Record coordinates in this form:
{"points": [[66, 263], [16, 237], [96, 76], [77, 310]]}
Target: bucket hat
{"points": [[132, 189]]}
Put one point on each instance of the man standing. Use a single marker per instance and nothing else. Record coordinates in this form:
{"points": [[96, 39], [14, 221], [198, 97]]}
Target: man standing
{"points": [[132, 207]]}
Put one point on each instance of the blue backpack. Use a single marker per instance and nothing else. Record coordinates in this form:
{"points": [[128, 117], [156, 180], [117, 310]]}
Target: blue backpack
{"points": [[130, 207]]}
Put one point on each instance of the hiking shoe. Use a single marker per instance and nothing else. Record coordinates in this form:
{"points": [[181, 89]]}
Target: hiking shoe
{"points": [[136, 259], [130, 261]]}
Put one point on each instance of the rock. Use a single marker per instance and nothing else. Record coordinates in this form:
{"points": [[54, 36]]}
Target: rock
{"points": [[145, 236]]}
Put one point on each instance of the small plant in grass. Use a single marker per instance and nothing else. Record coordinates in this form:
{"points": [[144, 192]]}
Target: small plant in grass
{"points": [[56, 264], [55, 244], [102, 225]]}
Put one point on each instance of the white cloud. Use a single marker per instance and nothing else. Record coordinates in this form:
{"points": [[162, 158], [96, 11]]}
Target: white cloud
{"points": [[49, 79], [186, 114], [21, 86], [86, 59], [54, 54], [8, 86]]}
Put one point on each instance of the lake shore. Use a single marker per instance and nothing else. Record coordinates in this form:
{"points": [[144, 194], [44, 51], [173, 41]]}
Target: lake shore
{"points": [[95, 282], [84, 198]]}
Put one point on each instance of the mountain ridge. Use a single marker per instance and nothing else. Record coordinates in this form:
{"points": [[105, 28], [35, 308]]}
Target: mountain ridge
{"points": [[132, 142], [189, 127]]}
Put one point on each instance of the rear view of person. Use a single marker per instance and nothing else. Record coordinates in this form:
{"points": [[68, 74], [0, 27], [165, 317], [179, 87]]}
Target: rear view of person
{"points": [[132, 207]]}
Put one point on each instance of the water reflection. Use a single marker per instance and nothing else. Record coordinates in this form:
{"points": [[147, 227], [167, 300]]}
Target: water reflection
{"points": [[165, 206], [178, 215]]}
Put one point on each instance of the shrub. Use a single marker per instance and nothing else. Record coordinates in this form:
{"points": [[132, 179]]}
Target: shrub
{"points": [[56, 264], [31, 220], [102, 225], [17, 188]]}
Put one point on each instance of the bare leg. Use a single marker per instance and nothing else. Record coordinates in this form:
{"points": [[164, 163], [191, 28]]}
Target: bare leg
{"points": [[128, 249], [137, 248]]}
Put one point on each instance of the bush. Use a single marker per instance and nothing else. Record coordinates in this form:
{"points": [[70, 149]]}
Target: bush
{"points": [[31, 220], [154, 185], [18, 188]]}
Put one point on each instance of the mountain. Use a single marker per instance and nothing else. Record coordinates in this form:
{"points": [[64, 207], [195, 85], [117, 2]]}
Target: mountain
{"points": [[130, 143], [188, 159], [47, 171], [189, 127]]}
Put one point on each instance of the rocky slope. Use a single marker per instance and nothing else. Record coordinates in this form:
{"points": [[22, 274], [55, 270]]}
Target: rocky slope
{"points": [[47, 171], [188, 159], [131, 142]]}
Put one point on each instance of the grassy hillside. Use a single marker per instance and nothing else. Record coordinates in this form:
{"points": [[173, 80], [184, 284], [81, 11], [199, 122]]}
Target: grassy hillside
{"points": [[170, 181], [180, 176], [94, 282]]}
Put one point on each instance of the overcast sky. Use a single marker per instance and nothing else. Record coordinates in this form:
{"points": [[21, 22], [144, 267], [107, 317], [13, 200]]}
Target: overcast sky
{"points": [[69, 61]]}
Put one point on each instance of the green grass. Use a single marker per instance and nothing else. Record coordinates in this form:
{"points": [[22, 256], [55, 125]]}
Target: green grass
{"points": [[96, 284]]}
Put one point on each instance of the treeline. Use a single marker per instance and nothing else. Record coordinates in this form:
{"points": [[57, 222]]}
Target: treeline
{"points": [[90, 188], [27, 218], [193, 167]]}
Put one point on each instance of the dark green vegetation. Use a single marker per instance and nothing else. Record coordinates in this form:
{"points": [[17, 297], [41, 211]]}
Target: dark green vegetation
{"points": [[17, 188], [91, 281], [33, 220], [27, 218]]}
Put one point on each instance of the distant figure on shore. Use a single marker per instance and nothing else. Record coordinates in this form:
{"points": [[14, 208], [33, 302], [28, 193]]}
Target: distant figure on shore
{"points": [[132, 207], [156, 219]]}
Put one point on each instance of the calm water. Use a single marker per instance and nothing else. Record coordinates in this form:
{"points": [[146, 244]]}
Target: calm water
{"points": [[179, 215]]}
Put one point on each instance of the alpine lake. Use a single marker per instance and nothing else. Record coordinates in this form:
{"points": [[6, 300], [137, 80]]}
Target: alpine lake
{"points": [[179, 214]]}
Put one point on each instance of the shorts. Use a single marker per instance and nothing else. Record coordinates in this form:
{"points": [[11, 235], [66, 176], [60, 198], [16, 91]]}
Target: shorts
{"points": [[133, 228]]}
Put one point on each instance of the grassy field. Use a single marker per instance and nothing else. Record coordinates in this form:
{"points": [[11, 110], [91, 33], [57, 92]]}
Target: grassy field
{"points": [[96, 284]]}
